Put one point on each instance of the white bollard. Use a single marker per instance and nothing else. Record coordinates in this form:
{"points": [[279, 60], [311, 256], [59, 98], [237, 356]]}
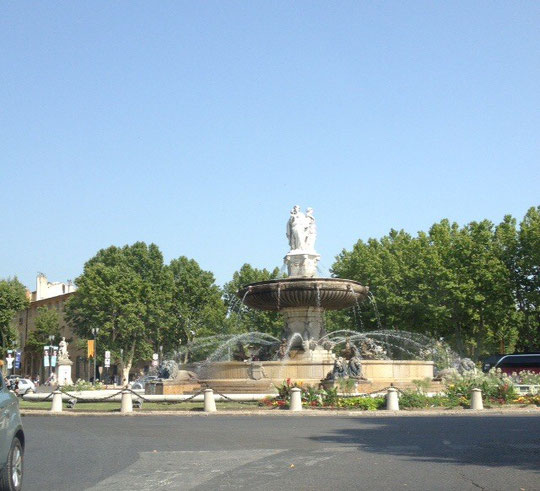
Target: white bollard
{"points": [[296, 399], [209, 401], [476, 400], [127, 402], [56, 406], [392, 401]]}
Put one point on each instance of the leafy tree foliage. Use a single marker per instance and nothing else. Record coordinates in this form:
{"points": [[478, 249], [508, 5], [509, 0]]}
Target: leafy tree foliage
{"points": [[197, 306], [47, 323], [527, 279], [126, 293], [240, 317], [12, 300], [476, 286]]}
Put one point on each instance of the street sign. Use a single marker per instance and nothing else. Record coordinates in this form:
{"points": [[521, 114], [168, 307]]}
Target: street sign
{"points": [[45, 356], [155, 356], [154, 363], [107, 362], [107, 354], [18, 359]]}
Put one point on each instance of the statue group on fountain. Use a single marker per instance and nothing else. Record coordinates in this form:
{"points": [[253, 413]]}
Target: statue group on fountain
{"points": [[301, 230], [348, 365]]}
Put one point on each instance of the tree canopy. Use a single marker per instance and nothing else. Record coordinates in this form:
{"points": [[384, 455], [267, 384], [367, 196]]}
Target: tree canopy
{"points": [[126, 293], [476, 285], [12, 300], [47, 323], [242, 318], [197, 306]]}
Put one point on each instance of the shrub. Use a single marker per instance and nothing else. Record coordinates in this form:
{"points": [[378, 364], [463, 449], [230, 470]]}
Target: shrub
{"points": [[80, 385], [410, 399], [526, 377], [422, 385], [346, 385], [365, 403], [528, 399], [495, 386]]}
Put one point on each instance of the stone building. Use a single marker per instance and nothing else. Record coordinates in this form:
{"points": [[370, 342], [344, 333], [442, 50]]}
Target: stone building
{"points": [[52, 296]]}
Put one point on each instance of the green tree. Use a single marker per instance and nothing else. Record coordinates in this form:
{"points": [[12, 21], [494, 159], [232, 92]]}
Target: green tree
{"points": [[451, 282], [243, 319], [47, 323], [527, 279], [12, 300], [125, 292], [197, 305]]}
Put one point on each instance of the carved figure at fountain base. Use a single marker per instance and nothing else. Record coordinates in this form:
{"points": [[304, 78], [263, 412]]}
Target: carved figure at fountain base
{"points": [[354, 368]]}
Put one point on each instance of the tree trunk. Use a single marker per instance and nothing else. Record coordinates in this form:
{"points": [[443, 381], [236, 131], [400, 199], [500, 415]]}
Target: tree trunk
{"points": [[127, 367]]}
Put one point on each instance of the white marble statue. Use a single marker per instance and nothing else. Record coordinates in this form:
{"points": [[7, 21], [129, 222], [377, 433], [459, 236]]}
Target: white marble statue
{"points": [[296, 229], [311, 230], [62, 349], [301, 230]]}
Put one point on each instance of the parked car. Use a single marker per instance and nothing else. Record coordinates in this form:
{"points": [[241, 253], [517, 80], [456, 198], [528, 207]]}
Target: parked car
{"points": [[515, 362], [11, 441], [141, 382], [26, 386]]}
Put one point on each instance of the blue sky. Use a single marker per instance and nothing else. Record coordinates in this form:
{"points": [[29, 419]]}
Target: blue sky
{"points": [[198, 125]]}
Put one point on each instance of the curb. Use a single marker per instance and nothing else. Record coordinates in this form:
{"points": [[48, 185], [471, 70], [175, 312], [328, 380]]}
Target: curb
{"points": [[305, 412]]}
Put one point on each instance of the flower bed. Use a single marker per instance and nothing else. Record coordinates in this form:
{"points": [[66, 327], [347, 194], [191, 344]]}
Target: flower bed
{"points": [[498, 389]]}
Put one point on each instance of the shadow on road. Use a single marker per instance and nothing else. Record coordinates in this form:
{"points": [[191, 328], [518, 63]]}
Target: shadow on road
{"points": [[487, 441]]}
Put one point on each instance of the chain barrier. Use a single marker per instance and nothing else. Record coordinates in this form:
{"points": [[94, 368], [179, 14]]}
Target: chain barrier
{"points": [[78, 398], [49, 396], [166, 402], [224, 396]]}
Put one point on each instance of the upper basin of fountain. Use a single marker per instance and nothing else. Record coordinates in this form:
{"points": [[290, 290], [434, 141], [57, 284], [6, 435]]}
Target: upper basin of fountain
{"points": [[326, 293]]}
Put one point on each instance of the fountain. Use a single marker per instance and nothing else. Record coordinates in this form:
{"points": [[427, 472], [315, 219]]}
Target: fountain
{"points": [[306, 353]]}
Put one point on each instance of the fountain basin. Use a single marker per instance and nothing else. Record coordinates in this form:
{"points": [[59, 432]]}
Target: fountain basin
{"points": [[325, 293], [253, 377]]}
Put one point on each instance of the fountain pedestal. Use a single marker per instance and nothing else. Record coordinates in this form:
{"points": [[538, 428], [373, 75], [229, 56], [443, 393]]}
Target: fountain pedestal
{"points": [[303, 324], [301, 264]]}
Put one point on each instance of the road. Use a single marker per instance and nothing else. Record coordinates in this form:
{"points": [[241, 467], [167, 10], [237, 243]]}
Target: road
{"points": [[203, 452]]}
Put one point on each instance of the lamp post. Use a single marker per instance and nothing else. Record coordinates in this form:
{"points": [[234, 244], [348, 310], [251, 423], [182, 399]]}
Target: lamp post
{"points": [[51, 341], [95, 332]]}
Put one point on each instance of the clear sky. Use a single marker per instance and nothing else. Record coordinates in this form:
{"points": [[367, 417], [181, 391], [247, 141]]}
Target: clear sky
{"points": [[197, 125]]}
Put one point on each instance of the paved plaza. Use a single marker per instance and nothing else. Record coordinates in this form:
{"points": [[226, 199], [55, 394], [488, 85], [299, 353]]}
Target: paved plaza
{"points": [[283, 452]]}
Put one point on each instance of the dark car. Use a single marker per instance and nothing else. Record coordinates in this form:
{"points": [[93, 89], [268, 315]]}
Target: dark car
{"points": [[515, 362], [11, 441]]}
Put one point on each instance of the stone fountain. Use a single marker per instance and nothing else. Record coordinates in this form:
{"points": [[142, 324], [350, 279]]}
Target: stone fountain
{"points": [[302, 298], [306, 352]]}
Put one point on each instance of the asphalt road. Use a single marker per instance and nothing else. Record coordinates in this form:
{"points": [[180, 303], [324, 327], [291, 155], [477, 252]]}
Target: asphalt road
{"points": [[282, 452]]}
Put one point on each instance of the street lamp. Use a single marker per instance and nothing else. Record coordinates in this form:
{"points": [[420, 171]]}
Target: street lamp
{"points": [[51, 341], [95, 332]]}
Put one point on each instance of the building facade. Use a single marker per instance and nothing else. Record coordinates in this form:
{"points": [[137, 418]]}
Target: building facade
{"points": [[51, 296]]}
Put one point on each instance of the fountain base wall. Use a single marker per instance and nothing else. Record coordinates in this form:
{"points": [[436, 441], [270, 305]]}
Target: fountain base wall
{"points": [[262, 376]]}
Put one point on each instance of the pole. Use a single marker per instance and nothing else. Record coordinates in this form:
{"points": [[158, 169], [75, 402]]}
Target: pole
{"points": [[95, 357]]}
